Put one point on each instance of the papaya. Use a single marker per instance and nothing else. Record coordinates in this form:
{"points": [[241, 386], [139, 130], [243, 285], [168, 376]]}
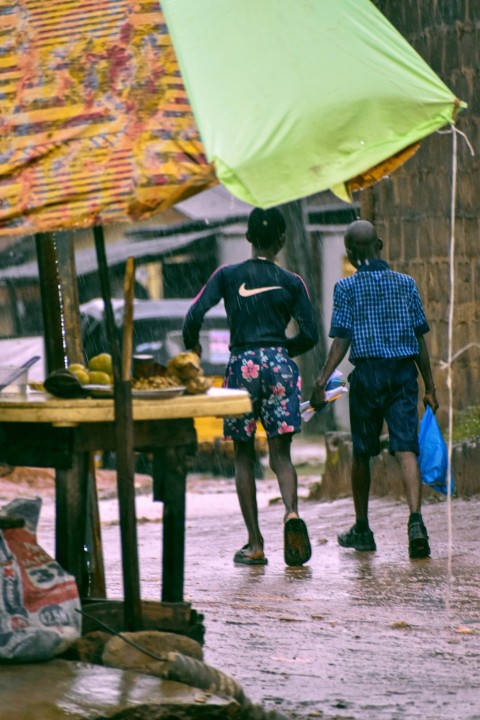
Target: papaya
{"points": [[101, 363], [99, 378], [82, 374], [77, 366]]}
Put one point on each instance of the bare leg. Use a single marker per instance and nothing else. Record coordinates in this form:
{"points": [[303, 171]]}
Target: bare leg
{"points": [[411, 478], [418, 546], [282, 466], [247, 493], [361, 485], [359, 536], [297, 549]]}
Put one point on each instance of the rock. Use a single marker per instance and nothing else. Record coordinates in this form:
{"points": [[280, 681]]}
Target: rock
{"points": [[118, 653], [89, 648]]}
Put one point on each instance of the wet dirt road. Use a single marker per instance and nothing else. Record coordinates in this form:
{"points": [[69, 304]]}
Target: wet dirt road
{"points": [[350, 635]]}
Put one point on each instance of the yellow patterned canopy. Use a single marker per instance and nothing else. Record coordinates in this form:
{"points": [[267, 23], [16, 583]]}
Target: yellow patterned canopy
{"points": [[95, 124]]}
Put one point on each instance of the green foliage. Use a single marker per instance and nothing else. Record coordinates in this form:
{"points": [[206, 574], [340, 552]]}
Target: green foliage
{"points": [[466, 424]]}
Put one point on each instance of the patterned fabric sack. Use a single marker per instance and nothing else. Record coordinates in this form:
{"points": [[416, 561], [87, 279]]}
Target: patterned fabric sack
{"points": [[38, 599]]}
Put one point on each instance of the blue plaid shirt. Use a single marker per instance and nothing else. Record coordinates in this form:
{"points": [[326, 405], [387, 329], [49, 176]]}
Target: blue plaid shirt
{"points": [[380, 311]]}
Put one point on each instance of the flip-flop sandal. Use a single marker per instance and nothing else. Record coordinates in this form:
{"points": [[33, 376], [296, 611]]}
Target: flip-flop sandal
{"points": [[297, 548], [242, 557]]}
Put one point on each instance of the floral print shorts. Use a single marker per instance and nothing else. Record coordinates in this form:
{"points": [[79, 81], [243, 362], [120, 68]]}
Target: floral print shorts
{"points": [[273, 380]]}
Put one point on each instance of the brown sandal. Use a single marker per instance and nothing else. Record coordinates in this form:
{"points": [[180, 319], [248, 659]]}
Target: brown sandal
{"points": [[244, 557], [297, 548]]}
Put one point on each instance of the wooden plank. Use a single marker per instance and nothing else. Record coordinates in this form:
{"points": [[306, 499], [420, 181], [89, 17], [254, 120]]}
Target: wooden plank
{"points": [[38, 407], [36, 445], [167, 617], [41, 445], [146, 435]]}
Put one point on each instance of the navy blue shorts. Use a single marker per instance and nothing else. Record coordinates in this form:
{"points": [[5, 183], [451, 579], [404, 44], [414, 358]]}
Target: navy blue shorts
{"points": [[272, 378], [384, 389]]}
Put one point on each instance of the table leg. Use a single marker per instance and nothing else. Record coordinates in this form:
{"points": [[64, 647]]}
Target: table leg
{"points": [[95, 575], [169, 482], [70, 521]]}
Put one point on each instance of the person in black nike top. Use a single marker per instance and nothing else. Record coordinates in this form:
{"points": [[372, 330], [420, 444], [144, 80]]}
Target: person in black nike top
{"points": [[260, 299]]}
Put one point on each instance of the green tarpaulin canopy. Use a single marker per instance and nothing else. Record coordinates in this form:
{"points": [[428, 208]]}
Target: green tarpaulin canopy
{"points": [[292, 97]]}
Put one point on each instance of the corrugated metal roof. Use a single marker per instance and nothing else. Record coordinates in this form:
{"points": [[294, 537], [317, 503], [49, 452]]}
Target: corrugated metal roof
{"points": [[117, 253], [148, 309]]}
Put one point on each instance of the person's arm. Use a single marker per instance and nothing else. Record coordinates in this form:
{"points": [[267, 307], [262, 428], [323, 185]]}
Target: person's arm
{"points": [[341, 332], [337, 352], [420, 325], [307, 336], [210, 295], [423, 363]]}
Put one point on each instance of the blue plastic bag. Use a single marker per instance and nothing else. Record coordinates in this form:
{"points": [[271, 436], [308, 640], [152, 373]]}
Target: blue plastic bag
{"points": [[433, 457]]}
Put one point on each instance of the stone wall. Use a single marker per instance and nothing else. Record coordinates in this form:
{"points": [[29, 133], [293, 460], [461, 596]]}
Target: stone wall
{"points": [[411, 209]]}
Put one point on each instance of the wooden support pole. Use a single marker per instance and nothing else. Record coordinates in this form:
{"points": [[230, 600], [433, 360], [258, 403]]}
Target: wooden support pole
{"points": [[124, 452], [58, 287], [128, 294], [75, 489]]}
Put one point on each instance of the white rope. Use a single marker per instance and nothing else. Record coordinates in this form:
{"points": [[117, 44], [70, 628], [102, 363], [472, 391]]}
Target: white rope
{"points": [[451, 307], [450, 356], [454, 129]]}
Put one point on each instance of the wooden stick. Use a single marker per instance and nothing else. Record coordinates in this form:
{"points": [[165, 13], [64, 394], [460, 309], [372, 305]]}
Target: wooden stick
{"points": [[97, 586], [128, 294], [125, 457]]}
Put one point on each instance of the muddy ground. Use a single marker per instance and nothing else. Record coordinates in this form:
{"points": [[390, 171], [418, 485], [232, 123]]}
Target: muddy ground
{"points": [[349, 635]]}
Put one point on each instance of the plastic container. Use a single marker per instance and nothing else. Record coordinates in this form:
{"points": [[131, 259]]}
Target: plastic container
{"points": [[19, 386]]}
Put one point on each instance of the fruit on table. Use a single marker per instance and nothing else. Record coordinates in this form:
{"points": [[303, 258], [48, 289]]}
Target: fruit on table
{"points": [[73, 367], [186, 368], [101, 363], [99, 378], [93, 376], [198, 385], [81, 373], [185, 365]]}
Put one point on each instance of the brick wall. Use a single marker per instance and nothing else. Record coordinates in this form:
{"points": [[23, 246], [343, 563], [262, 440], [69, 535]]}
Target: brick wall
{"points": [[412, 208]]}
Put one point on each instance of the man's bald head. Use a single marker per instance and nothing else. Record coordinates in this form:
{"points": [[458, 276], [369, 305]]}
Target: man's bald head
{"points": [[362, 241], [360, 233]]}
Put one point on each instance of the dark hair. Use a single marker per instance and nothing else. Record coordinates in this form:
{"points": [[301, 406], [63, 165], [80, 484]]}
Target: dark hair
{"points": [[265, 227]]}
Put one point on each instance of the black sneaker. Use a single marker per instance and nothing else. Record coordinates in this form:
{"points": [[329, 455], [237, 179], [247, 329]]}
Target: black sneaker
{"points": [[418, 546], [361, 541]]}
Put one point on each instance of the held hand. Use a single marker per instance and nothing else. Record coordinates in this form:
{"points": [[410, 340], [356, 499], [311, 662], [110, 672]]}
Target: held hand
{"points": [[317, 398], [430, 398]]}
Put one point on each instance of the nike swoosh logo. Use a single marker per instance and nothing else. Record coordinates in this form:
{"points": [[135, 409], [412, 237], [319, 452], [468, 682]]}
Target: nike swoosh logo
{"points": [[245, 292]]}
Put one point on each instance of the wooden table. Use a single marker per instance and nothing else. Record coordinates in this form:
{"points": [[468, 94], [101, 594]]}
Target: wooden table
{"points": [[40, 430]]}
